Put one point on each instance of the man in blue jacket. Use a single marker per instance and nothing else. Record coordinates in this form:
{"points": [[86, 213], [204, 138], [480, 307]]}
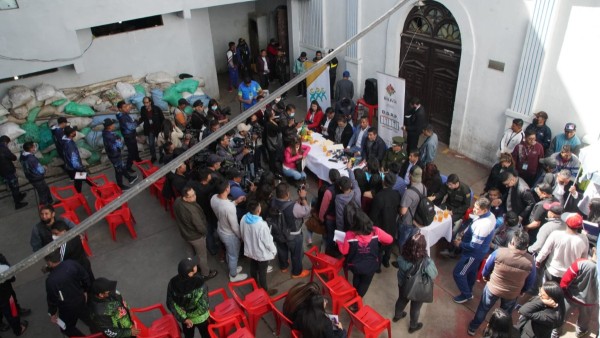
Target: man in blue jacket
{"points": [[58, 131], [128, 126], [35, 172], [9, 173], [73, 163], [113, 146]]}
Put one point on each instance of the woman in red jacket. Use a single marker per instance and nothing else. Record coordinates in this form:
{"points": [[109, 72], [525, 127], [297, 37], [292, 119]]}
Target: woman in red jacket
{"points": [[314, 117], [292, 160]]}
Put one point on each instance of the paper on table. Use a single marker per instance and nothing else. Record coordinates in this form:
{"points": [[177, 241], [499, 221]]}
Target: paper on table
{"points": [[339, 236]]}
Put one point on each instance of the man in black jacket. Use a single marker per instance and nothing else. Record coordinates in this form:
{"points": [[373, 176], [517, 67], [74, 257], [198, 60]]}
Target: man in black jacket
{"points": [[113, 146], [9, 173], [343, 132], [374, 147], [413, 160], [153, 118], [415, 120], [519, 198], [329, 123], [109, 312], [384, 212]]}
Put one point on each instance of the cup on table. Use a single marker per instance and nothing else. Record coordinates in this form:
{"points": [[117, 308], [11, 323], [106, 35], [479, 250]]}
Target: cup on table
{"points": [[446, 213]]}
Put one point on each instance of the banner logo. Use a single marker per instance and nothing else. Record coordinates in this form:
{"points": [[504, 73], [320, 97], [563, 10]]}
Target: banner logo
{"points": [[390, 90], [318, 94]]}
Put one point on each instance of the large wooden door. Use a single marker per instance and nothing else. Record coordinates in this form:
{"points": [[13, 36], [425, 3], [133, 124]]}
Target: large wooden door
{"points": [[429, 61]]}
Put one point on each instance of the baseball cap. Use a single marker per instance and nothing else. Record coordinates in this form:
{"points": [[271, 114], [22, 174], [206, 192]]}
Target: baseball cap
{"points": [[555, 207], [186, 265], [542, 114], [570, 127], [102, 285], [214, 158], [549, 162], [417, 174], [346, 74], [573, 220]]}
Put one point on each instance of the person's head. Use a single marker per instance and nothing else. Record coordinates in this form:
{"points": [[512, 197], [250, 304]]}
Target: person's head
{"points": [[565, 153], [372, 134], [499, 326], [364, 122], [214, 161], [415, 248], [231, 45], [314, 106], [204, 175], [413, 156], [182, 103], [540, 118], [373, 166], [213, 104], [428, 130], [573, 220], [188, 194], [552, 290], [530, 137], [453, 182], [389, 180], [318, 55], [397, 142], [482, 206], [334, 175], [235, 175], [494, 193], [297, 296], [511, 219], [362, 224], [247, 80], [214, 125], [554, 209], [563, 177], [147, 102], [342, 123], [290, 109], [62, 122], [109, 124], [570, 129], [168, 147], [344, 184], [346, 74], [53, 259], [253, 207], [222, 188], [330, 113], [520, 240], [415, 102], [187, 267], [506, 160], [181, 169], [303, 56], [102, 288], [198, 106], [47, 214], [263, 53], [123, 107], [416, 174], [70, 132], [509, 179], [4, 139], [224, 141], [58, 229], [282, 191], [517, 125], [543, 190], [29, 147], [243, 129], [393, 167], [594, 206]]}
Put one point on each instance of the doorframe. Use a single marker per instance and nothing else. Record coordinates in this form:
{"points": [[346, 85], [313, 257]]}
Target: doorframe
{"points": [[467, 61]]}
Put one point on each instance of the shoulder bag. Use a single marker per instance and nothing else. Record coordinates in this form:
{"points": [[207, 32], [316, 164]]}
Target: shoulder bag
{"points": [[418, 286]]}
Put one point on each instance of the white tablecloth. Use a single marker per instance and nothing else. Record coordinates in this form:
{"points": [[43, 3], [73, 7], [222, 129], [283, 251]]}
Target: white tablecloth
{"points": [[319, 163], [437, 230]]}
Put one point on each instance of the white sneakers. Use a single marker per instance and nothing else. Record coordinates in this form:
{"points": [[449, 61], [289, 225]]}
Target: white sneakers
{"points": [[238, 277], [269, 268]]}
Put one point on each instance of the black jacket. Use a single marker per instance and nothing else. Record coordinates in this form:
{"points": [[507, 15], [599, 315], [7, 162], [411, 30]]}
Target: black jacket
{"points": [[404, 167], [6, 161], [6, 289], [346, 135], [384, 210], [415, 120], [157, 120], [111, 315], [65, 286], [537, 320], [331, 127], [522, 200], [374, 149]]}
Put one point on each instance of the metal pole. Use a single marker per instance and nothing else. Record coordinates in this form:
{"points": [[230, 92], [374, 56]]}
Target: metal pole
{"points": [[136, 189]]}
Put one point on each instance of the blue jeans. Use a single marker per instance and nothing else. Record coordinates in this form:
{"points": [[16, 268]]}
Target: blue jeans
{"points": [[152, 145], [465, 274], [233, 78], [488, 300], [295, 174], [293, 247], [232, 249]]}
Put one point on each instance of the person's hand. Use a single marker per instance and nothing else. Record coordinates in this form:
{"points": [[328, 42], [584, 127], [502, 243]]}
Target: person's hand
{"points": [[302, 193], [549, 302], [485, 279], [245, 151], [240, 199], [135, 331], [431, 198], [456, 242], [339, 325], [188, 323], [54, 318], [349, 165], [572, 190]]}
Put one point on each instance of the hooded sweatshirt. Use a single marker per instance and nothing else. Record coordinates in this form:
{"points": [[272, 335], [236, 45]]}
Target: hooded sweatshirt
{"points": [[257, 238], [341, 200]]}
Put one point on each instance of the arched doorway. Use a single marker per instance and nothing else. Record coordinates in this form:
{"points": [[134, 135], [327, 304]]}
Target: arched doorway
{"points": [[430, 60]]}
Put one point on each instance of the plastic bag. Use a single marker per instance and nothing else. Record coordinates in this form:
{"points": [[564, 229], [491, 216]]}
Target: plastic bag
{"points": [[80, 122], [47, 111], [140, 89], [3, 111], [19, 112], [11, 129], [33, 114], [59, 102], [137, 100], [20, 95], [32, 133], [79, 109], [160, 77], [45, 139], [90, 100], [86, 130], [126, 90], [94, 139], [172, 96], [187, 85], [44, 92], [157, 98], [48, 157]]}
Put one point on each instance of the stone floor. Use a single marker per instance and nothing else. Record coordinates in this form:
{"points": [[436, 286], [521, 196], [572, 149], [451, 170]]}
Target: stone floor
{"points": [[143, 266]]}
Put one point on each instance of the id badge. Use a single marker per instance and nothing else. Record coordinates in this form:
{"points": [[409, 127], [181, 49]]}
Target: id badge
{"points": [[525, 166]]}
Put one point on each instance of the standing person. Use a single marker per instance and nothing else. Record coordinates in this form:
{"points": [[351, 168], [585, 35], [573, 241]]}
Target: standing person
{"points": [[348, 193], [109, 311], [542, 131], [361, 248], [414, 254], [384, 212], [73, 163], [344, 88], [35, 172], [113, 146], [248, 91], [73, 249], [327, 208], [272, 49], [505, 163], [58, 131], [66, 290], [333, 66], [568, 137], [475, 244], [41, 233], [187, 299], [244, 57], [199, 120], [527, 156], [508, 272], [538, 213], [232, 67], [9, 173], [153, 118], [262, 67], [258, 244], [428, 149], [281, 67], [519, 198], [179, 117], [298, 70], [294, 213], [553, 223], [414, 122], [314, 115], [128, 126], [192, 226], [292, 160], [541, 314], [511, 138], [228, 228], [408, 206], [17, 325]]}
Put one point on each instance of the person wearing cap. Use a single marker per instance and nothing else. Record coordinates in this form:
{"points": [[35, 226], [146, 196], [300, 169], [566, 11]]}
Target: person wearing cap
{"points": [[109, 311], [568, 137], [566, 160], [187, 299], [299, 68], [113, 146], [508, 271], [128, 125], [542, 131], [58, 131], [410, 198], [563, 247], [152, 118], [243, 134], [214, 164], [395, 153], [67, 285], [538, 213], [415, 120], [232, 66], [428, 149], [73, 163], [9, 173], [527, 156], [512, 137], [553, 223], [248, 90], [244, 57], [344, 88], [35, 172]]}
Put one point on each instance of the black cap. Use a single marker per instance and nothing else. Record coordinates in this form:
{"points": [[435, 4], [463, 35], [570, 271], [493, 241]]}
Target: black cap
{"points": [[186, 266], [214, 158], [102, 285], [108, 122], [182, 101]]}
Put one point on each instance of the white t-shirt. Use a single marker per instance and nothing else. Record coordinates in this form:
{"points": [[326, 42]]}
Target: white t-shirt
{"points": [[562, 249]]}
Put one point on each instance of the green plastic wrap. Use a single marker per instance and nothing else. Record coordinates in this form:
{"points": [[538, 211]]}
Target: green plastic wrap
{"points": [[171, 95], [94, 159], [140, 89], [59, 102], [46, 139], [33, 114], [79, 109], [47, 158], [32, 133], [85, 130], [188, 110]]}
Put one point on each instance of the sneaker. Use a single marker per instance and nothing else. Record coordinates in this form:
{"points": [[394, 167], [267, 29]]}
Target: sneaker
{"points": [[416, 328], [461, 299], [269, 268], [133, 179], [397, 318], [20, 205], [239, 277], [124, 187], [302, 274], [470, 331], [211, 274], [272, 292], [448, 254], [239, 269]]}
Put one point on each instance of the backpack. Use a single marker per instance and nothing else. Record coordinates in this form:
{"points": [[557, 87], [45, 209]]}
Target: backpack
{"points": [[278, 224], [425, 212], [350, 210]]}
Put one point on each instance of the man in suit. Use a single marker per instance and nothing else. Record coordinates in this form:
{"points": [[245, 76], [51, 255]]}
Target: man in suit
{"points": [[374, 147], [359, 138], [329, 123], [262, 67], [343, 132], [415, 120], [413, 160]]}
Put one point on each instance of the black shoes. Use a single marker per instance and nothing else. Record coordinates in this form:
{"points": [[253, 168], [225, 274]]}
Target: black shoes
{"points": [[211, 274], [20, 205], [124, 187], [402, 315], [131, 171], [416, 328]]}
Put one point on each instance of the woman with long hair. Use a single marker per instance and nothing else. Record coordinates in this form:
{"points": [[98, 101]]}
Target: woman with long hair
{"points": [[273, 143], [541, 314], [314, 117], [499, 326], [505, 163], [292, 160], [216, 112], [170, 132], [361, 248], [414, 253], [313, 322], [296, 297], [432, 179]]}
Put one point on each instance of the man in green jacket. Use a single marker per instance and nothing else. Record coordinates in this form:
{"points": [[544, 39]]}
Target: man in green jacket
{"points": [[395, 153], [110, 314]]}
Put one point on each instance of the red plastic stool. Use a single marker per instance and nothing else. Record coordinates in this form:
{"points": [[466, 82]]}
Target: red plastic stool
{"points": [[371, 108]]}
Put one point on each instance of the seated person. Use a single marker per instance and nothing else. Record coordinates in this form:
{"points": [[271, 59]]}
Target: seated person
{"points": [[292, 160], [343, 133], [314, 117], [329, 123], [359, 138], [454, 196], [374, 147], [432, 178]]}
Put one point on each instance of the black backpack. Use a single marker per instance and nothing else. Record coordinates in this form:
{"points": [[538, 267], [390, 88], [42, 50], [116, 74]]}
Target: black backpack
{"points": [[278, 225], [425, 212], [350, 210]]}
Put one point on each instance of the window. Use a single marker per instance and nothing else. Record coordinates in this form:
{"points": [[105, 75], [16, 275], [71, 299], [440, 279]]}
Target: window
{"points": [[20, 77], [127, 26]]}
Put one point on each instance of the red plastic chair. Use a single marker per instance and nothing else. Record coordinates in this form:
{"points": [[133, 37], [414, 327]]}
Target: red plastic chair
{"points": [[73, 201], [157, 187], [120, 216], [72, 216], [164, 327], [337, 287], [281, 318], [99, 180], [240, 332], [257, 303], [367, 320], [106, 191], [227, 309], [372, 110], [321, 261], [146, 167]]}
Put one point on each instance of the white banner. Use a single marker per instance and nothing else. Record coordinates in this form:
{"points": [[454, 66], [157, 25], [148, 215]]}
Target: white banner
{"points": [[318, 88], [390, 111]]}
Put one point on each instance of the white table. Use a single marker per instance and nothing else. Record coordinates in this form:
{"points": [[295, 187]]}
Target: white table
{"points": [[437, 230], [318, 162]]}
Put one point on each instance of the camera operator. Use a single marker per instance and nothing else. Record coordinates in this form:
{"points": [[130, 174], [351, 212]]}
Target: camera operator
{"points": [[230, 155]]}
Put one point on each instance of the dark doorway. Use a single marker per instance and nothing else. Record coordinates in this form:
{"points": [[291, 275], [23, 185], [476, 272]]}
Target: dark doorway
{"points": [[430, 60]]}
